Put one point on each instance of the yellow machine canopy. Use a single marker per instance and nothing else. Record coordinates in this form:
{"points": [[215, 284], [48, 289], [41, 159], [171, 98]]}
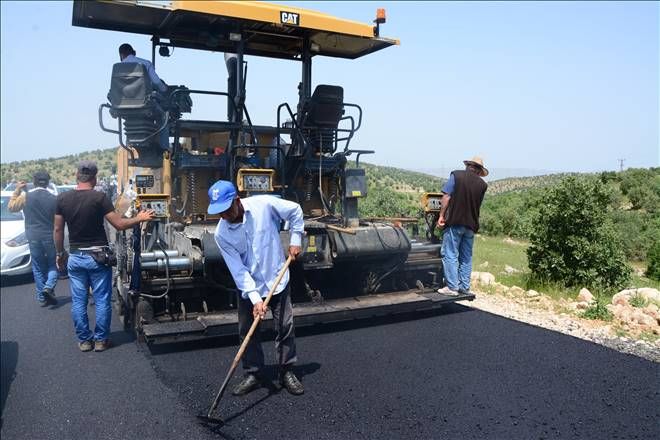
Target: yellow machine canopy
{"points": [[266, 29]]}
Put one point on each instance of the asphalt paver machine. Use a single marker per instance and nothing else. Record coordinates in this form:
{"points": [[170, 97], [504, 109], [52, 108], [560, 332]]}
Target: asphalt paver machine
{"points": [[171, 281]]}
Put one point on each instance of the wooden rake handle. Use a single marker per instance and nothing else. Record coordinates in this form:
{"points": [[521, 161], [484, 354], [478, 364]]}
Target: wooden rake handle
{"points": [[246, 341]]}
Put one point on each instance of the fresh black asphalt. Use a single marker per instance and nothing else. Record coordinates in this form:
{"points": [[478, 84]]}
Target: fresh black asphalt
{"points": [[457, 374]]}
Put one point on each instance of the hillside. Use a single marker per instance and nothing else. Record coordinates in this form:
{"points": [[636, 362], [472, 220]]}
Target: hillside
{"points": [[61, 169], [411, 183]]}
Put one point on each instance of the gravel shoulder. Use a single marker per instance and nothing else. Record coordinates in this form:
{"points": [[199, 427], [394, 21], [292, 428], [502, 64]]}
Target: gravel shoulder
{"points": [[545, 312]]}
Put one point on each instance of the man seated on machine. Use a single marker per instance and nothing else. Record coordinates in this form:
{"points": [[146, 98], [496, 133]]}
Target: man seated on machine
{"points": [[127, 55]]}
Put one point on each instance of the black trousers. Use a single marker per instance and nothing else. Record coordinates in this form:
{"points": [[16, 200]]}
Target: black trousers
{"points": [[285, 344]]}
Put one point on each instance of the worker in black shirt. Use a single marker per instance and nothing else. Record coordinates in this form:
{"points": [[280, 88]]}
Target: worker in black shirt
{"points": [[83, 210], [38, 207]]}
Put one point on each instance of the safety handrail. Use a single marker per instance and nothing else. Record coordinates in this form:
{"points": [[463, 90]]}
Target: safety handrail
{"points": [[233, 104], [359, 153]]}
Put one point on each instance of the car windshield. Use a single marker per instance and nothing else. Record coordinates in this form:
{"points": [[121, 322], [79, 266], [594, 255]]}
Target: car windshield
{"points": [[7, 215]]}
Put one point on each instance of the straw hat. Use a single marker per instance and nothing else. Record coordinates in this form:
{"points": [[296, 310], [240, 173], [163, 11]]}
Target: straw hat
{"points": [[479, 163]]}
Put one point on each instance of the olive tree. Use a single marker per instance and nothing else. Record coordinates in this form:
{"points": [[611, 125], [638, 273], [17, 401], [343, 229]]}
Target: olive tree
{"points": [[573, 240]]}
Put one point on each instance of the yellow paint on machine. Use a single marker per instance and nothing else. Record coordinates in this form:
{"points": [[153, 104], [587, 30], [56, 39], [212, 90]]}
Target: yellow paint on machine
{"points": [[311, 246], [272, 13]]}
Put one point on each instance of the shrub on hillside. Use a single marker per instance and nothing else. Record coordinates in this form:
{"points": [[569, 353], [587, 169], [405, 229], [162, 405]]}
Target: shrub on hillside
{"points": [[509, 213], [573, 240], [638, 231], [653, 269], [642, 187]]}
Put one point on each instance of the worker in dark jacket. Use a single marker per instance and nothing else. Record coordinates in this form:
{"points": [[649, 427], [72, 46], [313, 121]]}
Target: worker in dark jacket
{"points": [[38, 207], [459, 216]]}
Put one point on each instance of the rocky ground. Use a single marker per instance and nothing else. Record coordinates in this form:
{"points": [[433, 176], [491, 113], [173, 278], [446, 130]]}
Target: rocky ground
{"points": [[634, 327]]}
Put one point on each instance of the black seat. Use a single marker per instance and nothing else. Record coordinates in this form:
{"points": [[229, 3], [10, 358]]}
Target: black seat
{"points": [[324, 110], [326, 106], [133, 98], [130, 87]]}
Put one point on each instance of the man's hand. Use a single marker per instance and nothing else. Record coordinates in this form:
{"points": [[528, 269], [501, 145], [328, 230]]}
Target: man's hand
{"points": [[441, 221], [259, 310], [144, 216], [60, 261], [21, 185], [294, 251]]}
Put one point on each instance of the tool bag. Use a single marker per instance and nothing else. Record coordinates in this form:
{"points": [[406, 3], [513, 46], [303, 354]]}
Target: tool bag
{"points": [[106, 256]]}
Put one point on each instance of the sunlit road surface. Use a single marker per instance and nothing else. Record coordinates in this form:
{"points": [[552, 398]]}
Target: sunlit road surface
{"points": [[456, 374]]}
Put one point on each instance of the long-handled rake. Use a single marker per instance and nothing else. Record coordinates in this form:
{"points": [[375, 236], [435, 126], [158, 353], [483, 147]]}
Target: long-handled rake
{"points": [[208, 417]]}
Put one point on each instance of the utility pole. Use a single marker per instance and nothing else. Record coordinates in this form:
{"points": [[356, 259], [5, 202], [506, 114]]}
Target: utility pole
{"points": [[621, 162]]}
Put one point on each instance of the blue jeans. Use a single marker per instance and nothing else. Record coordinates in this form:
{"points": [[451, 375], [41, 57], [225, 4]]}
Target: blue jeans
{"points": [[83, 273], [44, 269], [457, 244]]}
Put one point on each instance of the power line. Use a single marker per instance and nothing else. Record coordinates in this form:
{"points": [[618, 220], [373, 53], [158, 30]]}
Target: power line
{"points": [[621, 162]]}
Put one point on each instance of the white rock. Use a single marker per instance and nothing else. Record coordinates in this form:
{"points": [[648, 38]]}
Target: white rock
{"points": [[500, 288], [532, 293], [484, 264], [649, 293], [653, 313], [483, 278], [623, 297], [643, 319], [508, 269], [585, 296]]}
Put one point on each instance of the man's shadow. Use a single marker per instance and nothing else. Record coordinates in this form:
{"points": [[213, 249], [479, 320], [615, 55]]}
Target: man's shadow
{"points": [[269, 381], [61, 302]]}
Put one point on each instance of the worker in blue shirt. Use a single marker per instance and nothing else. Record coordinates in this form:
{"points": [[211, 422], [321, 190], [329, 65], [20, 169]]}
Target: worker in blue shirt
{"points": [[248, 236], [127, 55]]}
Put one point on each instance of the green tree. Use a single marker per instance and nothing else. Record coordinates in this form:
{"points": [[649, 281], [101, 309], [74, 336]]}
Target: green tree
{"points": [[573, 240], [653, 269]]}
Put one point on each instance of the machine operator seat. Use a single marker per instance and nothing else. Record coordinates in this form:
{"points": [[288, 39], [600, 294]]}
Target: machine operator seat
{"points": [[130, 87], [134, 99], [324, 111]]}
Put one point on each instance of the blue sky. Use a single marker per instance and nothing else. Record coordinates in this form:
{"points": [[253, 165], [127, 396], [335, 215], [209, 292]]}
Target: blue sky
{"points": [[550, 86]]}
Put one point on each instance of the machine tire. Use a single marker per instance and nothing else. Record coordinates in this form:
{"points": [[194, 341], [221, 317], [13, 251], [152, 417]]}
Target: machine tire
{"points": [[144, 314], [369, 282]]}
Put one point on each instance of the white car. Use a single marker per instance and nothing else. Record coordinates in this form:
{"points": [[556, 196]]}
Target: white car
{"points": [[52, 188], [14, 253]]}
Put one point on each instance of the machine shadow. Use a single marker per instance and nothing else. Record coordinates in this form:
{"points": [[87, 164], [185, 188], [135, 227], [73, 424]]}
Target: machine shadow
{"points": [[16, 280], [9, 360], [376, 321], [316, 329]]}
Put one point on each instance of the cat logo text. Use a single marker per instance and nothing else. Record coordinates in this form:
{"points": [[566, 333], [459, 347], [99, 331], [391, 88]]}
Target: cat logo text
{"points": [[289, 18]]}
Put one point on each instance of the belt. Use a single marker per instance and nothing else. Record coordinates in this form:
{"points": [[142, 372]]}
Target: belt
{"points": [[86, 251]]}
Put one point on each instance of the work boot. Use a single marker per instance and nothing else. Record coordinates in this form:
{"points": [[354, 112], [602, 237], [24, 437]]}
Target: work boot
{"points": [[49, 297], [292, 384], [102, 345], [249, 383], [85, 346], [42, 302], [447, 291]]}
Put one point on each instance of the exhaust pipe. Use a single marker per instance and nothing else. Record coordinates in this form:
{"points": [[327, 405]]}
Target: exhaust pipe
{"points": [[155, 255], [175, 263]]}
